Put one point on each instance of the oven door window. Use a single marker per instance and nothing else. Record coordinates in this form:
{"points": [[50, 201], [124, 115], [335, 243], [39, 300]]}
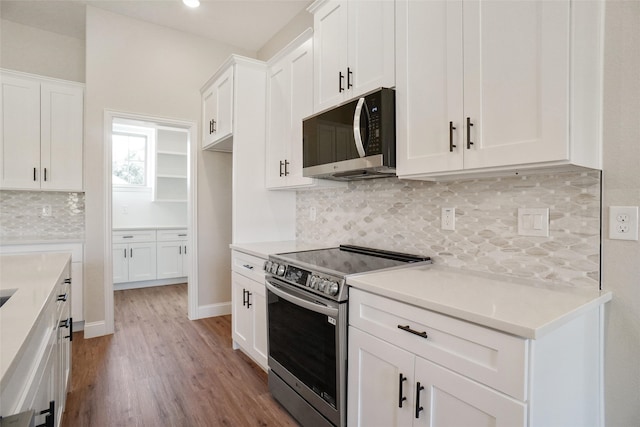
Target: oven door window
{"points": [[304, 342]]}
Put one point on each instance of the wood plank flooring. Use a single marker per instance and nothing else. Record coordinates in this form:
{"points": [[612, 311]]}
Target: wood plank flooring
{"points": [[161, 369]]}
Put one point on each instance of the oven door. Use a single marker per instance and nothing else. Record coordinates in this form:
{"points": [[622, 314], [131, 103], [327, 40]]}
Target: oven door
{"points": [[307, 346]]}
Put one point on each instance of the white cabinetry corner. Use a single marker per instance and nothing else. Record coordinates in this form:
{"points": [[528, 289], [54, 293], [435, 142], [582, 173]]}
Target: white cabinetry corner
{"points": [[41, 145], [411, 366], [531, 73], [218, 110], [249, 307], [354, 49]]}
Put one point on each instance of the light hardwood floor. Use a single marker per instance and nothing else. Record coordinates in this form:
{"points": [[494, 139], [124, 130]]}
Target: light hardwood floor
{"points": [[161, 369]]}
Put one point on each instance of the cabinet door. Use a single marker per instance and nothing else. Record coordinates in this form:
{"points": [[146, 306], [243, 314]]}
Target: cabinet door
{"points": [[374, 386], [20, 144], [208, 107], [142, 261], [301, 100], [516, 74], [429, 92], [61, 137], [278, 124], [120, 260], [330, 53], [169, 259], [371, 46], [241, 316], [223, 106], [449, 399], [258, 301]]}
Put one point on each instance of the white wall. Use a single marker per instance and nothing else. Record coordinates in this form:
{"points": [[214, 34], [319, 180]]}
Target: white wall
{"points": [[147, 69], [133, 209], [41, 52], [294, 28], [621, 259]]}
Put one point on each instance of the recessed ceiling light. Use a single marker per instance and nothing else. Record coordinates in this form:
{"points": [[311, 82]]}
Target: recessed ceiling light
{"points": [[191, 3]]}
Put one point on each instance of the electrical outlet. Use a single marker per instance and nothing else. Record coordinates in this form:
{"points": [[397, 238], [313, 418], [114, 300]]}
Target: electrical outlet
{"points": [[448, 219], [533, 222], [46, 210], [623, 222]]}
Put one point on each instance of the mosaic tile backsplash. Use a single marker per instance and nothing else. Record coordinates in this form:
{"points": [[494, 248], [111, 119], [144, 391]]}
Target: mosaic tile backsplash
{"points": [[404, 216], [21, 215]]}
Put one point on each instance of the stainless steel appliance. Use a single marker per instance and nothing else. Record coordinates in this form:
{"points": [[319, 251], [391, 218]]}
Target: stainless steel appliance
{"points": [[307, 326], [355, 140]]}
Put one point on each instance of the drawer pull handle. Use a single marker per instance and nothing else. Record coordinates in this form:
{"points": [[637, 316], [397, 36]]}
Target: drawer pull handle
{"points": [[67, 281], [127, 237], [419, 408], [250, 267], [182, 235], [401, 398], [408, 329], [62, 297]]}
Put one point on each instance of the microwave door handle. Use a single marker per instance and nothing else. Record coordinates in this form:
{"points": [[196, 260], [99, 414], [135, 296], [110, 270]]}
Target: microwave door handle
{"points": [[357, 134]]}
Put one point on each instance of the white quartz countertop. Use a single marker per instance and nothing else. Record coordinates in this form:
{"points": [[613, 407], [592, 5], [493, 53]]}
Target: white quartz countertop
{"points": [[264, 249], [520, 307], [150, 227], [37, 240], [34, 276]]}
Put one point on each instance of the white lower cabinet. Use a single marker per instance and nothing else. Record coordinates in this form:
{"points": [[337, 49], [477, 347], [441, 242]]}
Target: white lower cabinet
{"points": [[409, 366], [249, 307], [134, 262], [172, 254]]}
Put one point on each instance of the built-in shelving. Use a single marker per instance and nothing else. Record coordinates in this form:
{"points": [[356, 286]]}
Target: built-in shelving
{"points": [[171, 172]]}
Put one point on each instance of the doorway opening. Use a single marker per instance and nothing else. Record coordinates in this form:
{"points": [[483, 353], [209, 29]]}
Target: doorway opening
{"points": [[150, 203]]}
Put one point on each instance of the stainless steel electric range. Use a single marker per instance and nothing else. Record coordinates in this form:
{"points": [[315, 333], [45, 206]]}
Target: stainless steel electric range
{"points": [[307, 326]]}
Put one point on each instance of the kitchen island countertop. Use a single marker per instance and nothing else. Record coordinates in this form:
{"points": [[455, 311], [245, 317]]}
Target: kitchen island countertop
{"points": [[521, 307], [33, 277]]}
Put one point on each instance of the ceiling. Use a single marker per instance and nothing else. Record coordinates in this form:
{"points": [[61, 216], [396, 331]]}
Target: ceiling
{"points": [[247, 24]]}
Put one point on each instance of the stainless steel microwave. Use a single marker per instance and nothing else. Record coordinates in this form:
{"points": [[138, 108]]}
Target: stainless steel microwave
{"points": [[355, 140]]}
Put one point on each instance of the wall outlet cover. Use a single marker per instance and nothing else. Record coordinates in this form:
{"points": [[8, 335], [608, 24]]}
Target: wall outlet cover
{"points": [[448, 219], [623, 222]]}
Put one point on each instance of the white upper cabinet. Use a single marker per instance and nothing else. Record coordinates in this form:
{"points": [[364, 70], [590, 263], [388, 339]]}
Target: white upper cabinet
{"points": [[42, 134], [289, 101], [486, 86], [217, 111], [354, 49]]}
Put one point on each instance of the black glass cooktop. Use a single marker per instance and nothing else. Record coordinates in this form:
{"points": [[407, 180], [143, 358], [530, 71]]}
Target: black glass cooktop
{"points": [[348, 259]]}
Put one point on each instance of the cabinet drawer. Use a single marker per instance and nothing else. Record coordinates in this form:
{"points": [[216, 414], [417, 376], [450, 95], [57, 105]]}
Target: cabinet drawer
{"points": [[248, 265], [172, 235], [493, 358], [134, 236]]}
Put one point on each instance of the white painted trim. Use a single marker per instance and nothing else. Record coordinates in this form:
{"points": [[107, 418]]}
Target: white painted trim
{"points": [[214, 310], [95, 329], [192, 223]]}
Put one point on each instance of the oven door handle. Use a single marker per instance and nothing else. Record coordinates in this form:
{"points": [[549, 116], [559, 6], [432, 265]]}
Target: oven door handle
{"points": [[310, 305]]}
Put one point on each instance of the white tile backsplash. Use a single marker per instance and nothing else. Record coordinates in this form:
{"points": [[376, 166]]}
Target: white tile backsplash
{"points": [[404, 215], [21, 215]]}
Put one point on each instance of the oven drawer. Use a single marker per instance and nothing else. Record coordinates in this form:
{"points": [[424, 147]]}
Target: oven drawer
{"points": [[248, 265], [490, 357]]}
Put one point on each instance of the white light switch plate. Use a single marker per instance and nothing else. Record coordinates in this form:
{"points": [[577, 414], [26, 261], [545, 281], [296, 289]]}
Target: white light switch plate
{"points": [[623, 222], [533, 222]]}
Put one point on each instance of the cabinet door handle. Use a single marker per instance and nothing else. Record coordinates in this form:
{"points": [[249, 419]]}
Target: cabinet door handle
{"points": [[340, 80], [451, 144], [469, 124], [185, 249], [286, 167], [249, 299], [67, 281], [407, 328], [62, 297], [35, 176], [401, 398], [419, 408], [244, 297], [131, 253], [70, 336], [125, 252], [213, 126], [45, 174], [180, 250], [281, 164], [50, 415], [210, 127], [349, 74]]}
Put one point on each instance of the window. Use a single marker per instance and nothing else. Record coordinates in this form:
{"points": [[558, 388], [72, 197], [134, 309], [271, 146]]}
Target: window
{"points": [[129, 159]]}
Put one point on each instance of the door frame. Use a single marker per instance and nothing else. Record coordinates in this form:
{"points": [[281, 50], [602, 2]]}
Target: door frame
{"points": [[192, 200]]}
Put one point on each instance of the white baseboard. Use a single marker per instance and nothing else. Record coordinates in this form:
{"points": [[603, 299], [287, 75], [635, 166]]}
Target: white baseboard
{"points": [[95, 329], [213, 310], [148, 283]]}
